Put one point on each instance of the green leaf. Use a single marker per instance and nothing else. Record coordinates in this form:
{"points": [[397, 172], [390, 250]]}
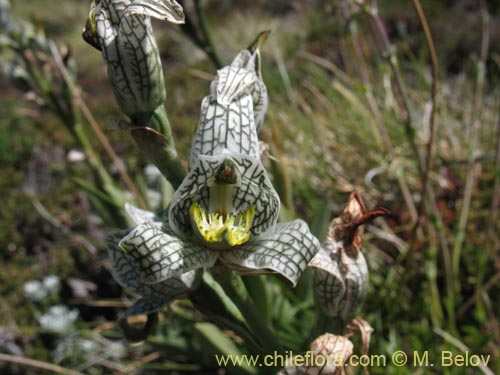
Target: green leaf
{"points": [[257, 289], [159, 149], [215, 342], [241, 78], [320, 220], [212, 298]]}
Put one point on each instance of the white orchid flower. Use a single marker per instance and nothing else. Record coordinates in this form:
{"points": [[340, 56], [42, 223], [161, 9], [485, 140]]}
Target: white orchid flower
{"points": [[226, 208], [340, 269], [122, 30]]}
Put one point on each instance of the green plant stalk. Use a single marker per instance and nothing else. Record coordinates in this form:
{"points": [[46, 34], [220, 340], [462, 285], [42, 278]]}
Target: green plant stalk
{"points": [[436, 309], [154, 138], [103, 204], [258, 290], [208, 45], [200, 34], [158, 121], [211, 299], [434, 63], [102, 179], [283, 182], [96, 164], [236, 290], [240, 330]]}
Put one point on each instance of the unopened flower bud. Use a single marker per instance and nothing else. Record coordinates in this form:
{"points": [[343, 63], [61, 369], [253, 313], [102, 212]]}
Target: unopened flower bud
{"points": [[122, 30]]}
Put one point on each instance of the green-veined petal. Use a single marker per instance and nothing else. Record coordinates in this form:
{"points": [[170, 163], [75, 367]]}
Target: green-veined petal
{"points": [[242, 77], [126, 273], [160, 256], [140, 216], [287, 250], [340, 285], [233, 81], [228, 128]]}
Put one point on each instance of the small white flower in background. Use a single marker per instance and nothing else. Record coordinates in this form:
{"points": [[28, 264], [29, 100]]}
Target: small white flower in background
{"points": [[75, 156], [88, 346], [68, 346], [39, 290], [75, 346], [34, 290], [116, 349], [59, 319], [52, 284]]}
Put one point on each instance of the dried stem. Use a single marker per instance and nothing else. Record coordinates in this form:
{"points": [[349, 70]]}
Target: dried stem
{"points": [[137, 364], [209, 46], [37, 364], [461, 346], [388, 51], [473, 299], [434, 64]]}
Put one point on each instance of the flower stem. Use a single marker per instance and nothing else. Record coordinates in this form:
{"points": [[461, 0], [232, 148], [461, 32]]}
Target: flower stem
{"points": [[209, 46], [235, 288], [154, 138]]}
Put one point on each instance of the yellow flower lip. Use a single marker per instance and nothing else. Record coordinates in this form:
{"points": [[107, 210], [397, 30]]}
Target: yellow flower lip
{"points": [[222, 230]]}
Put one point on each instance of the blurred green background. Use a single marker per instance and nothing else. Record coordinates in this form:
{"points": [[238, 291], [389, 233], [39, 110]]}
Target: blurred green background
{"points": [[338, 121]]}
